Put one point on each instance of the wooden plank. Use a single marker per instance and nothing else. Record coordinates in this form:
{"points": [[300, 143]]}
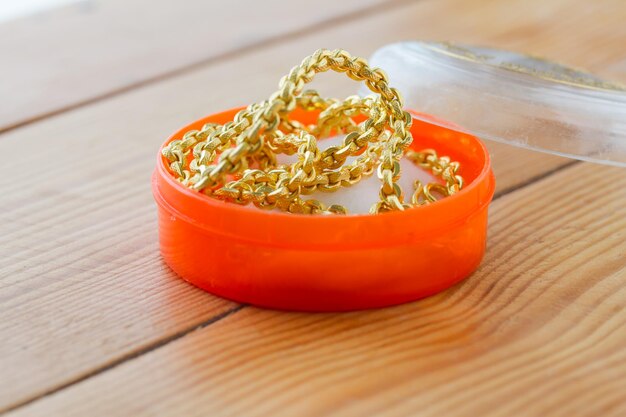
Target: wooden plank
{"points": [[60, 58], [538, 330], [82, 288]]}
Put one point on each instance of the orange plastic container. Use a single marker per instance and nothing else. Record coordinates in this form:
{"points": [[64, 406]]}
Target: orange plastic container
{"points": [[328, 263]]}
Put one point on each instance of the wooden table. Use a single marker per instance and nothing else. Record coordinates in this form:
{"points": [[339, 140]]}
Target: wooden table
{"points": [[94, 324]]}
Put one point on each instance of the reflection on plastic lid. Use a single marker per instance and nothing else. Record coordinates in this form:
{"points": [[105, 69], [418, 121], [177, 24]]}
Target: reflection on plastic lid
{"points": [[511, 98]]}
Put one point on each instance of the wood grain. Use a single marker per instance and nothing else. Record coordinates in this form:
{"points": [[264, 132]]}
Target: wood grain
{"points": [[537, 331], [82, 288], [61, 58]]}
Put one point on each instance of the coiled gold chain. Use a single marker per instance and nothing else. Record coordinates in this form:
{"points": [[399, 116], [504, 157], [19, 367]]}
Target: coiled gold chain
{"points": [[237, 161]]}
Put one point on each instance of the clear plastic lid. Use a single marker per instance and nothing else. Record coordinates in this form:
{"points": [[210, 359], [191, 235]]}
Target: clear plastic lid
{"points": [[511, 98]]}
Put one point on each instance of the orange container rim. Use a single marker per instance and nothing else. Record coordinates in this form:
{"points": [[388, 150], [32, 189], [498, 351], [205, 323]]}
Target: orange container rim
{"points": [[443, 214]]}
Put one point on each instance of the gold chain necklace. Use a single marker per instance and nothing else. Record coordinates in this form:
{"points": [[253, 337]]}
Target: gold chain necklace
{"points": [[236, 161]]}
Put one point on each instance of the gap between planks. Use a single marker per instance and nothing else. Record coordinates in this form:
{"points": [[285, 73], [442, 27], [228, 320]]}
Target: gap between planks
{"points": [[132, 355]]}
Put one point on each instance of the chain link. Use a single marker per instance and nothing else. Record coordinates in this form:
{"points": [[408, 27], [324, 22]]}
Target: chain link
{"points": [[237, 161]]}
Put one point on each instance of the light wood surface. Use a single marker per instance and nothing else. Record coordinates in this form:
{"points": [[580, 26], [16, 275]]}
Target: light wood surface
{"points": [[89, 50], [93, 323], [538, 331]]}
